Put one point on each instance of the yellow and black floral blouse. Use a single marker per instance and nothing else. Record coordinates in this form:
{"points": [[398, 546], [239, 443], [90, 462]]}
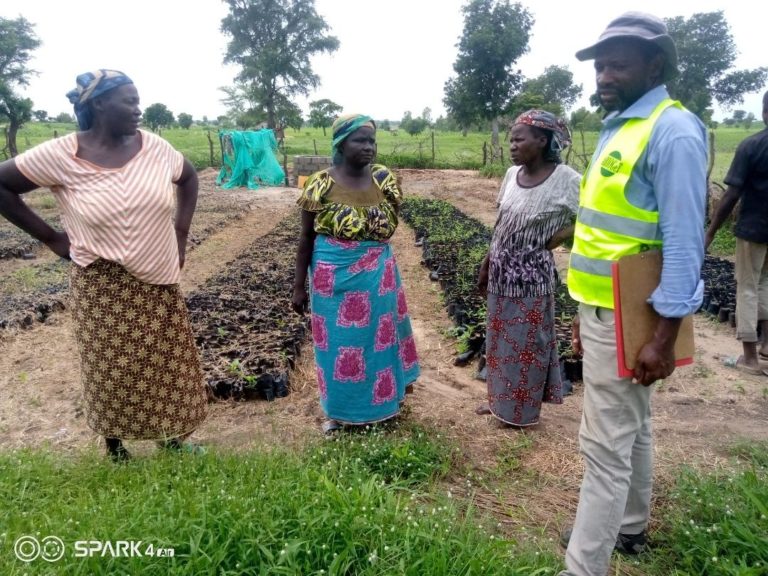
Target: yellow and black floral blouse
{"points": [[347, 220]]}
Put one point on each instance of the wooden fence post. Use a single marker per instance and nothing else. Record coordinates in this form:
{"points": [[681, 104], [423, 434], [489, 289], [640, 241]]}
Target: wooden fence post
{"points": [[433, 148], [314, 143], [485, 152], [210, 147]]}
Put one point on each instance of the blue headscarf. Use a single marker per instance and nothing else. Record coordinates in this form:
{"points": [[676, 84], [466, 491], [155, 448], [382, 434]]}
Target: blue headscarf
{"points": [[89, 86], [343, 126]]}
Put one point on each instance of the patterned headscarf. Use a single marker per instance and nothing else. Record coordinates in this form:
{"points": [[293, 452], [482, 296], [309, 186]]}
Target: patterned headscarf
{"points": [[343, 126], [561, 136], [89, 86]]}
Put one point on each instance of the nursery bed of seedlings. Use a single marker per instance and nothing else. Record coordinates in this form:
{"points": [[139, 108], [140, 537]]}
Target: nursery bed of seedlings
{"points": [[33, 286], [719, 289], [454, 245], [245, 327], [32, 292], [16, 244]]}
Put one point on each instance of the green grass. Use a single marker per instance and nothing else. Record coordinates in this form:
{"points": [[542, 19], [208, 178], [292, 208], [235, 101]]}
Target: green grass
{"points": [[724, 243], [716, 524], [397, 149], [366, 504], [34, 277], [369, 503]]}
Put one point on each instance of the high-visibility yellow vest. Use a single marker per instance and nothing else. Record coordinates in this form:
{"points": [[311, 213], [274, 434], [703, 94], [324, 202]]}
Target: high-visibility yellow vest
{"points": [[607, 225]]}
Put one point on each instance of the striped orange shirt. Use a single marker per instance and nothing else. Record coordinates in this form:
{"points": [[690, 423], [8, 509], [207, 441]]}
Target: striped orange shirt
{"points": [[120, 214]]}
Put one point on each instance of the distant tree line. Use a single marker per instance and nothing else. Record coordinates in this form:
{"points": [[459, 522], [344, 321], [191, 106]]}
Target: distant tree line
{"points": [[273, 41]]}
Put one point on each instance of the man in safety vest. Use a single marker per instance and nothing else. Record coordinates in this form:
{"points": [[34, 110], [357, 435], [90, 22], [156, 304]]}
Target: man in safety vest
{"points": [[645, 188]]}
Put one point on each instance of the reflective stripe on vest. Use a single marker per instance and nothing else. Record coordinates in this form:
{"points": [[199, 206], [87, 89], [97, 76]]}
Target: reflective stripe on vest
{"points": [[607, 225]]}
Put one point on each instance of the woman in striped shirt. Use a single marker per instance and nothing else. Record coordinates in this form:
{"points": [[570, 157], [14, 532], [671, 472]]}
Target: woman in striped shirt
{"points": [[537, 207], [125, 233]]}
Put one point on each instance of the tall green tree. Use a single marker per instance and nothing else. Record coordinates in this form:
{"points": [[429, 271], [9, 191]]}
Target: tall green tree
{"points": [[248, 110], [706, 55], [495, 36], [460, 105], [413, 125], [531, 100], [555, 87], [272, 41], [586, 120], [290, 115], [40, 115], [322, 113], [185, 120], [18, 111], [17, 42], [157, 116]]}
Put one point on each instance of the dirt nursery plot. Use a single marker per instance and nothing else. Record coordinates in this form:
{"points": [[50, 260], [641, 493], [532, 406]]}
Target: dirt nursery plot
{"points": [[243, 321], [16, 244], [34, 282]]}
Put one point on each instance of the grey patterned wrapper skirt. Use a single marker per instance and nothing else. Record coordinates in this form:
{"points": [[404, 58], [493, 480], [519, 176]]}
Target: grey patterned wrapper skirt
{"points": [[521, 356], [140, 368]]}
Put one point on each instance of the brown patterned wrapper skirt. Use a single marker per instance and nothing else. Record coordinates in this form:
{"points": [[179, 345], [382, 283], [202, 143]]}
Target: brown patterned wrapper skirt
{"points": [[140, 368]]}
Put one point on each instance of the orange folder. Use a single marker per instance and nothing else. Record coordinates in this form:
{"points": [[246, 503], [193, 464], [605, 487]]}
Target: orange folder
{"points": [[635, 278]]}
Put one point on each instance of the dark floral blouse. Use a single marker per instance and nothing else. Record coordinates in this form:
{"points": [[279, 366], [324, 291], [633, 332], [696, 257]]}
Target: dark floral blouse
{"points": [[348, 222]]}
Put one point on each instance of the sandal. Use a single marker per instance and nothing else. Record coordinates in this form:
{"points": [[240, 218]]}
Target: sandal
{"points": [[483, 410], [176, 445], [330, 426], [754, 371], [116, 451]]}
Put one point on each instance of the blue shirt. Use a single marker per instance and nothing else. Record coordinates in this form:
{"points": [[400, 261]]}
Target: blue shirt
{"points": [[670, 177]]}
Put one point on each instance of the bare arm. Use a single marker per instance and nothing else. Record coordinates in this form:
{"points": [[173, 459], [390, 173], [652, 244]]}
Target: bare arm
{"points": [[560, 236], [186, 200], [300, 299], [724, 209], [12, 184], [482, 275]]}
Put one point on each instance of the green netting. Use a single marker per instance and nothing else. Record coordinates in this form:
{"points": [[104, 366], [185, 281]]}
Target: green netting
{"points": [[249, 159]]}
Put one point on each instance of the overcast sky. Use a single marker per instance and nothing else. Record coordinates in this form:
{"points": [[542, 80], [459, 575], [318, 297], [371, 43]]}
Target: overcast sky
{"points": [[395, 55]]}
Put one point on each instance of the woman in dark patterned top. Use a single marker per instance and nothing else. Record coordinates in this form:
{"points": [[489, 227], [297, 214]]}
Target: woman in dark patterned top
{"points": [[537, 205], [364, 348]]}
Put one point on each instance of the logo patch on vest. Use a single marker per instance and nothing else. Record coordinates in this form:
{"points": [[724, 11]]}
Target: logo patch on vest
{"points": [[611, 164]]}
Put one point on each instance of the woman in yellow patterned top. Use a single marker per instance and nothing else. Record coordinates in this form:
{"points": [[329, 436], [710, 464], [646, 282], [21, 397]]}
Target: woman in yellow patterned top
{"points": [[364, 348]]}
